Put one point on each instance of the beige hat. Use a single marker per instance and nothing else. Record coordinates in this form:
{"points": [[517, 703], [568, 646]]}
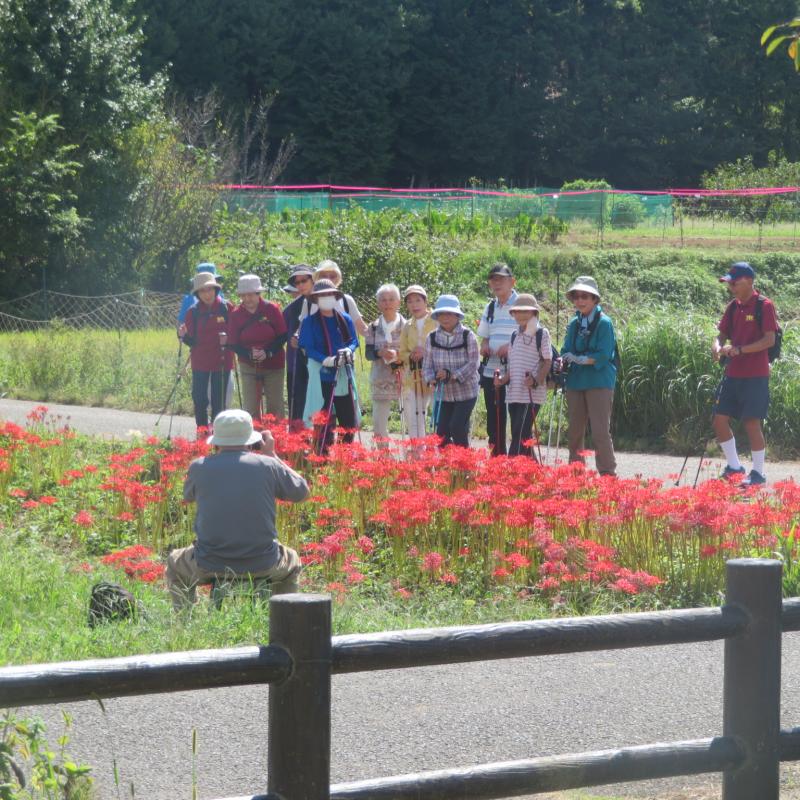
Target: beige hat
{"points": [[204, 280], [584, 284], [328, 265], [415, 288], [524, 302], [249, 283], [233, 428]]}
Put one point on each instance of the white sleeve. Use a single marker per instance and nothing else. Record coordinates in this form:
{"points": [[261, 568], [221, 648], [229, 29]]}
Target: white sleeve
{"points": [[547, 347], [355, 314], [483, 326]]}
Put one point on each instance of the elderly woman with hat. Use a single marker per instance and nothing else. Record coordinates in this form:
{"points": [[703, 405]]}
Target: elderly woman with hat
{"points": [[329, 270], [590, 350], [416, 392], [451, 366], [382, 348], [328, 338], [257, 334], [530, 355], [204, 330]]}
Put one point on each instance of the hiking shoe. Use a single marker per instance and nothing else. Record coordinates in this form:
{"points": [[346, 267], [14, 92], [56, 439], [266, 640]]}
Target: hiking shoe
{"points": [[754, 479], [730, 472]]}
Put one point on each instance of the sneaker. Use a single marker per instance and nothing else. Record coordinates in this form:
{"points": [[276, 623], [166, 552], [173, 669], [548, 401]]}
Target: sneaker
{"points": [[754, 479], [730, 472]]}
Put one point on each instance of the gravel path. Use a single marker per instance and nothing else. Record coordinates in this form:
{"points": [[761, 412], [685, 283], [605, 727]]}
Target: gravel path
{"points": [[113, 423], [402, 721]]}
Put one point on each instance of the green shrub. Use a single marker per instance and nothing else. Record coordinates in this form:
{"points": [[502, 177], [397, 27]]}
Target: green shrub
{"points": [[627, 211]]}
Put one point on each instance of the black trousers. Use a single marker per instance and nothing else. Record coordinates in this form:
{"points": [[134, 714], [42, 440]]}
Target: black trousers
{"points": [[296, 386], [343, 413], [219, 387], [522, 416], [495, 400], [453, 425]]}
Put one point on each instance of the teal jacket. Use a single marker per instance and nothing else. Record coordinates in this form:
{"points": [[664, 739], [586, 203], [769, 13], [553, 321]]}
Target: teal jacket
{"points": [[601, 345]]}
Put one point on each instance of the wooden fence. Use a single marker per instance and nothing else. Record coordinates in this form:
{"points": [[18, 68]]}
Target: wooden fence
{"points": [[302, 656]]}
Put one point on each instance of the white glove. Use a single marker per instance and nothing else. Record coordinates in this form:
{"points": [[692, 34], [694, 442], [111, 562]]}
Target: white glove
{"points": [[330, 362], [582, 360], [346, 355]]}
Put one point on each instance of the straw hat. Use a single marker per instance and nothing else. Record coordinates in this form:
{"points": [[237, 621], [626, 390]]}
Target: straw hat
{"points": [[249, 283], [524, 302], [447, 303], [584, 284], [328, 265], [233, 428], [204, 280]]}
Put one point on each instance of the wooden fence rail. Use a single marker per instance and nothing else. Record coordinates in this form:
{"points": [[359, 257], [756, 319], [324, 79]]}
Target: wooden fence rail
{"points": [[302, 656]]}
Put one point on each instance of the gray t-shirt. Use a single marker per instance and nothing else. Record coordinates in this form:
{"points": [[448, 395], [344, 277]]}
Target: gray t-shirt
{"points": [[235, 491]]}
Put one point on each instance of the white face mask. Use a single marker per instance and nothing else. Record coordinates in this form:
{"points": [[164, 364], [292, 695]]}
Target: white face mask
{"points": [[327, 302]]}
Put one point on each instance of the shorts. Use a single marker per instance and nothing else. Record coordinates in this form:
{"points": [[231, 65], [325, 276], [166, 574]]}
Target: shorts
{"points": [[743, 398]]}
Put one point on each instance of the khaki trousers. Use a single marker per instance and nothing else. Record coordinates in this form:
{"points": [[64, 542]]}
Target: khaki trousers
{"points": [[262, 383], [183, 575], [592, 406]]}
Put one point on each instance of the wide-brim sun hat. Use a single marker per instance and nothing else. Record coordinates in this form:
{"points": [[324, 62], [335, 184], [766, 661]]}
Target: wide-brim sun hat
{"points": [[328, 265], [324, 286], [248, 284], [233, 428], [524, 302], [204, 280], [299, 270], [585, 283], [447, 304], [415, 288]]}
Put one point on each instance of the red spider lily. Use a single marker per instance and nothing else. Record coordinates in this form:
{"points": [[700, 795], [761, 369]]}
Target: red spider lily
{"points": [[17, 493], [84, 519]]}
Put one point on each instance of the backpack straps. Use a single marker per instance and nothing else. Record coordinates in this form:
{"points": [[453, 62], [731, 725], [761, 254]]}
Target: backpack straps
{"points": [[490, 311]]}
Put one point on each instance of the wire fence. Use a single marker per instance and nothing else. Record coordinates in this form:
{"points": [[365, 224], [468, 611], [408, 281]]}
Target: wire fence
{"points": [[137, 310], [758, 217]]}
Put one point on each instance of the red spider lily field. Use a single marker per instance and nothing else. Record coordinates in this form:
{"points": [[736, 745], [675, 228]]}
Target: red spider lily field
{"points": [[431, 535]]}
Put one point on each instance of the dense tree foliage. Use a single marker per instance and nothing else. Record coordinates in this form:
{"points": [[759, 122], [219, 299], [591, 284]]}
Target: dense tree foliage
{"points": [[641, 92]]}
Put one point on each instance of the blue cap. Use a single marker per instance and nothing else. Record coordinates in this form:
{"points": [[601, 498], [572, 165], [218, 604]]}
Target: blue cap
{"points": [[207, 267], [447, 303], [741, 269]]}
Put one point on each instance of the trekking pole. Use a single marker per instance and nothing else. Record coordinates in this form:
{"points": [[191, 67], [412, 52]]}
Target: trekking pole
{"points": [[558, 426], [550, 430], [223, 384], [496, 447], [328, 415], [181, 372], [436, 408], [353, 392], [535, 426], [398, 376], [683, 467], [714, 404]]}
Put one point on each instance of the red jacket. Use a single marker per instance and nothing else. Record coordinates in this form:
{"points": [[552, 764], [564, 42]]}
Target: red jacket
{"points": [[203, 327], [265, 329]]}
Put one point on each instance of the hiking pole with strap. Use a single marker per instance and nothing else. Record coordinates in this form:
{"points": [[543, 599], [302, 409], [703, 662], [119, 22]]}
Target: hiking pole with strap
{"points": [[328, 415], [496, 447], [180, 375], [714, 405], [436, 408], [398, 376], [352, 390], [558, 426], [534, 414]]}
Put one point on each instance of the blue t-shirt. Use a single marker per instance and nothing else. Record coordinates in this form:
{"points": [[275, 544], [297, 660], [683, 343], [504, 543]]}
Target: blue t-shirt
{"points": [[315, 344]]}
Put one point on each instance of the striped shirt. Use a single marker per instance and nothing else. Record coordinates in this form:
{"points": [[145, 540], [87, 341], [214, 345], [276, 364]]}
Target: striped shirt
{"points": [[463, 362], [498, 331], [523, 358]]}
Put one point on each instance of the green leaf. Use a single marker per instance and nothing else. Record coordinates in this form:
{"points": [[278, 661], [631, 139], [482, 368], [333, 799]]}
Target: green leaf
{"points": [[767, 33], [771, 47]]}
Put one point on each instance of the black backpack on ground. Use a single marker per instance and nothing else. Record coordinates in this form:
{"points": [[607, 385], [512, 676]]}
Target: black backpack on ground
{"points": [[110, 602]]}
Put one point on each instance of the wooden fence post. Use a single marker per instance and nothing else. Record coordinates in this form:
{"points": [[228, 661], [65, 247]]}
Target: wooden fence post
{"points": [[752, 683], [299, 756]]}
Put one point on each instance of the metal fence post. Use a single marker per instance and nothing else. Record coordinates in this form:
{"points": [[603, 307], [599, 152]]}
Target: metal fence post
{"points": [[752, 683], [299, 756]]}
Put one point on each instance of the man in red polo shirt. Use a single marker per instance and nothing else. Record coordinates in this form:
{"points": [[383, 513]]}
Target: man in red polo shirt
{"points": [[746, 332]]}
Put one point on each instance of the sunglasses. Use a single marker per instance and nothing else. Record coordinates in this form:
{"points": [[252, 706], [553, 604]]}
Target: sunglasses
{"points": [[582, 296], [301, 280]]}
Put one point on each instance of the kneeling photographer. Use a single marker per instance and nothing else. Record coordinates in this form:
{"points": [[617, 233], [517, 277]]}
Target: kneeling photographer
{"points": [[235, 490]]}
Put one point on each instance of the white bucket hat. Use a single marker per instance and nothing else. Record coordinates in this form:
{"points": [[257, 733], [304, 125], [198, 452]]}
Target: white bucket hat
{"points": [[584, 284], [249, 283], [204, 280], [233, 428]]}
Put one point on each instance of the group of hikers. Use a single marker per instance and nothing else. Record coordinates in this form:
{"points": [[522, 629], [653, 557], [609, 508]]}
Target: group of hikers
{"points": [[428, 361], [297, 362]]}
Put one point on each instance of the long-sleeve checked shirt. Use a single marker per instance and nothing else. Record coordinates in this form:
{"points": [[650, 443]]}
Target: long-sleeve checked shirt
{"points": [[460, 357]]}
